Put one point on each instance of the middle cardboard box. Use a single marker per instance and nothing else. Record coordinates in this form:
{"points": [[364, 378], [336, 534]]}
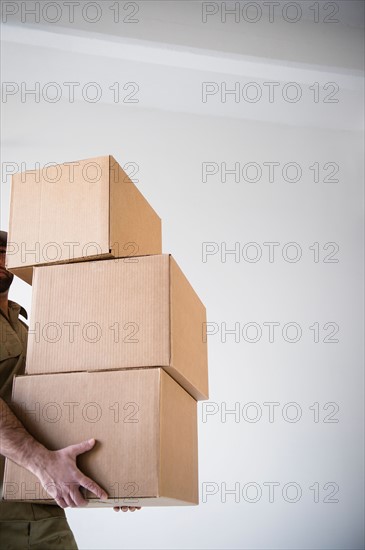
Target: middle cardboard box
{"points": [[118, 314]]}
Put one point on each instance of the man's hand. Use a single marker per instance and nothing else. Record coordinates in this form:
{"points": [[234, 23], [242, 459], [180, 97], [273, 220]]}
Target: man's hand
{"points": [[126, 508], [61, 478], [56, 470]]}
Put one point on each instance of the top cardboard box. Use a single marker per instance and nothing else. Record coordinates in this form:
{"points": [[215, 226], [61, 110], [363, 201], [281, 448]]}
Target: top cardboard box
{"points": [[75, 211]]}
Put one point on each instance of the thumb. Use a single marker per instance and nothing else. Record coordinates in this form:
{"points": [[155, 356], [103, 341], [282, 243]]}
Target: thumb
{"points": [[82, 447]]}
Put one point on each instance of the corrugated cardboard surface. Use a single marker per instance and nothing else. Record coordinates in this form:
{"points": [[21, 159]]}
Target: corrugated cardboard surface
{"points": [[178, 462], [70, 209], [118, 311], [188, 350], [78, 211], [116, 314], [134, 225], [126, 412]]}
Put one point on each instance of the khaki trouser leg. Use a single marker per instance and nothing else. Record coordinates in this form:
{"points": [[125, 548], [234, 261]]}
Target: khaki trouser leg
{"points": [[43, 534]]}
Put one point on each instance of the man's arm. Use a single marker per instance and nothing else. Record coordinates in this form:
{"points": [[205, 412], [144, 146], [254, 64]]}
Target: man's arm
{"points": [[56, 470]]}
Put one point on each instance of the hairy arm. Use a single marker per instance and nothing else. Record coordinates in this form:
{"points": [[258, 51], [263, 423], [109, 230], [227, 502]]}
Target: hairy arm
{"points": [[56, 470], [16, 443]]}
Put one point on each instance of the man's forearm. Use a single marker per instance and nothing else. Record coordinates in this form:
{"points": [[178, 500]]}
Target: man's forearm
{"points": [[17, 444], [57, 470]]}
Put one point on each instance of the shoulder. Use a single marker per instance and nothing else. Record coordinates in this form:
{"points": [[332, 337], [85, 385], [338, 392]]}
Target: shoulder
{"points": [[18, 308]]}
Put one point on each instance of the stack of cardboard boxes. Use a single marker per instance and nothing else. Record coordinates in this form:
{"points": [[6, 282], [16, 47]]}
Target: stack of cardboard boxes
{"points": [[115, 347]]}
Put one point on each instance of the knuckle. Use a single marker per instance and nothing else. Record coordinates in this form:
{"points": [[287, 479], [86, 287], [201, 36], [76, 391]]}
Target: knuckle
{"points": [[89, 485], [80, 501]]}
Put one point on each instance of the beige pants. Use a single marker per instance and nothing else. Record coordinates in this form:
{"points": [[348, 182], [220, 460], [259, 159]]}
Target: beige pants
{"points": [[42, 534]]}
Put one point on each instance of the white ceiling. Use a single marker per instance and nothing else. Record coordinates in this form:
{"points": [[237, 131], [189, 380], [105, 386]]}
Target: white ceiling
{"points": [[181, 23], [170, 53]]}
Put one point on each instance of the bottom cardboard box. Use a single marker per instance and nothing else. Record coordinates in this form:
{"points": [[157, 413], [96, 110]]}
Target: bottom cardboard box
{"points": [[144, 423]]}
